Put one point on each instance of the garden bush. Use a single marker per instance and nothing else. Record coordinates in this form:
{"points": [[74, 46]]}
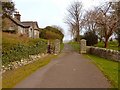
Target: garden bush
{"points": [[17, 48], [91, 38]]}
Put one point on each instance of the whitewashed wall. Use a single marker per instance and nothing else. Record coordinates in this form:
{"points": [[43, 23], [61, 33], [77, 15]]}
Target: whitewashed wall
{"points": [[31, 32], [36, 34], [21, 30]]}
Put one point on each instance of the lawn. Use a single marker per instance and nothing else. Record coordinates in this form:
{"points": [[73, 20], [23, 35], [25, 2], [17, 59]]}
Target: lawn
{"points": [[75, 45], [111, 45], [108, 67], [11, 78]]}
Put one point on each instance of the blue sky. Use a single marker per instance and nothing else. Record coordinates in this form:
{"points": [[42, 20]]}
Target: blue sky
{"points": [[49, 12]]}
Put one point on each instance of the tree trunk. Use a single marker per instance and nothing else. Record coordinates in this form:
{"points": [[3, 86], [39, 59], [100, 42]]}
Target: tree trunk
{"points": [[78, 37], [78, 30], [106, 43]]}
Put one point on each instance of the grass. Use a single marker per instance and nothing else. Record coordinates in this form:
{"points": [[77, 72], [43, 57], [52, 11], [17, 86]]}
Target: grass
{"points": [[61, 46], [75, 45], [111, 45], [11, 78], [108, 67], [0, 9]]}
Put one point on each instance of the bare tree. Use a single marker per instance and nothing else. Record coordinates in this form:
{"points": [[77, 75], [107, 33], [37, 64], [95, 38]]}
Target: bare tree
{"points": [[74, 19], [107, 20], [88, 21], [72, 30]]}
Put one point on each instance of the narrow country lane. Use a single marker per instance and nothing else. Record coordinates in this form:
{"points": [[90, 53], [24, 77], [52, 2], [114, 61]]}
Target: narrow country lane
{"points": [[70, 70]]}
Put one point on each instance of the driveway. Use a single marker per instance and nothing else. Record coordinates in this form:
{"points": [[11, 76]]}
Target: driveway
{"points": [[69, 70]]}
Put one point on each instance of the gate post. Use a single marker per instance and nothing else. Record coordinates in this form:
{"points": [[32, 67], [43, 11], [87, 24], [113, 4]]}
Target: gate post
{"points": [[57, 46], [83, 46]]}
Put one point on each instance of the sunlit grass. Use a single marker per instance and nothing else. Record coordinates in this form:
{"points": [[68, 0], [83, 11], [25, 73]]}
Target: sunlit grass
{"points": [[61, 46], [111, 45], [75, 45], [108, 67]]}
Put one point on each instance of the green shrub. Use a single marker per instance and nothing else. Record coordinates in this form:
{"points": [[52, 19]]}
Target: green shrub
{"points": [[51, 33], [15, 49], [91, 38]]}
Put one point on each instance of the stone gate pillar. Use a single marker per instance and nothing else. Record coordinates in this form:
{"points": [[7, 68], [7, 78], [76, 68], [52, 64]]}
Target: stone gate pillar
{"points": [[83, 46], [57, 46]]}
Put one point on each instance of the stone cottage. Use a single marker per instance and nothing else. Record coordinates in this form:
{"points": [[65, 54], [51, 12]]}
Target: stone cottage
{"points": [[14, 25], [34, 29], [21, 28]]}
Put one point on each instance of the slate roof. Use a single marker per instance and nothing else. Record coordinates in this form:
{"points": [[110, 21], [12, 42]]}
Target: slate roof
{"points": [[18, 22], [25, 24], [31, 23]]}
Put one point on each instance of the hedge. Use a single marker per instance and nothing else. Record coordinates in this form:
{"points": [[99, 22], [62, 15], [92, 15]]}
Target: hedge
{"points": [[14, 49]]}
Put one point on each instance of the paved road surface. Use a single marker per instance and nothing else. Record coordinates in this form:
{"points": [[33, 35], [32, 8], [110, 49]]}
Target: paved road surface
{"points": [[70, 70]]}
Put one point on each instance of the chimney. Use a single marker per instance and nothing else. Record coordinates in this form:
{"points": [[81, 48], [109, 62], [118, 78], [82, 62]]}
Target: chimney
{"points": [[17, 16]]}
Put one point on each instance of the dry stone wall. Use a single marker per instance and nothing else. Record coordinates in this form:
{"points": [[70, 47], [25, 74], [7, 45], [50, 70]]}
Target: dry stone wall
{"points": [[22, 62], [104, 53]]}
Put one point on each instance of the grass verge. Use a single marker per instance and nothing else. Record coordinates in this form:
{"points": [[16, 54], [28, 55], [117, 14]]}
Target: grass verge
{"points": [[61, 47], [75, 45], [11, 78], [108, 67], [111, 45]]}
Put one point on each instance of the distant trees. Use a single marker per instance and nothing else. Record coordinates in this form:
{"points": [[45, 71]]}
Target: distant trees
{"points": [[73, 19], [118, 28], [103, 21], [59, 28], [51, 33]]}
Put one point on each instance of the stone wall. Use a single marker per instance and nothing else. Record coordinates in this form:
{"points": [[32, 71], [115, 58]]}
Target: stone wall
{"points": [[7, 23], [22, 62], [104, 53]]}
